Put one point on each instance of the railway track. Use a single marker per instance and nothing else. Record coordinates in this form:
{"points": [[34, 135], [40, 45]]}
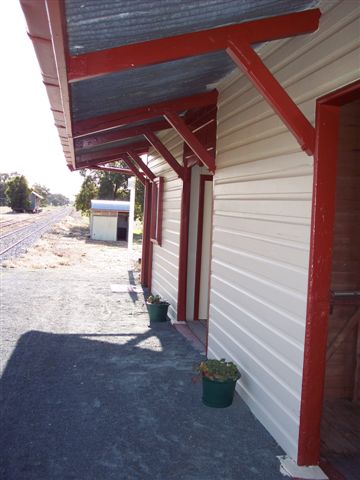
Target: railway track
{"points": [[9, 223], [17, 241]]}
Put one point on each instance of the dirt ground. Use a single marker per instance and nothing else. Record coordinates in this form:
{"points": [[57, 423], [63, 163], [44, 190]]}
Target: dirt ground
{"points": [[68, 244]]}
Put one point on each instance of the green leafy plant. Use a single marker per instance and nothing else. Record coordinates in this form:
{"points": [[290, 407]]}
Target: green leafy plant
{"points": [[218, 370], [156, 299]]}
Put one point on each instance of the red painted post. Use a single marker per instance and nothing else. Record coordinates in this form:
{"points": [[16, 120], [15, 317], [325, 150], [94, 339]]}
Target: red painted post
{"points": [[184, 245], [190, 139], [150, 249], [146, 235], [253, 67], [165, 153], [320, 268], [321, 243]]}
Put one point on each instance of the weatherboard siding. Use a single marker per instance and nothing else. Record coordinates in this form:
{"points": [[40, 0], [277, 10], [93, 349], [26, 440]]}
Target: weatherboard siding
{"points": [[165, 270], [262, 216]]}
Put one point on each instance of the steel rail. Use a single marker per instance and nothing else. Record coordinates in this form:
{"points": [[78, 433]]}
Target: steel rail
{"points": [[59, 215]]}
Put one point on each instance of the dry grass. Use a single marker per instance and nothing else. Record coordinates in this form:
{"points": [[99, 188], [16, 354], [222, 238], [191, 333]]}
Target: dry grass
{"points": [[68, 244]]}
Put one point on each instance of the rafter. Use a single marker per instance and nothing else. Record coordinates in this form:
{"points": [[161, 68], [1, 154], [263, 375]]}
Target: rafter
{"points": [[119, 119], [103, 62], [123, 171], [111, 153], [111, 136]]}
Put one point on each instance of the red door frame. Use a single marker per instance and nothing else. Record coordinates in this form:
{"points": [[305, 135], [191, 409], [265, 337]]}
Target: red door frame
{"points": [[320, 265], [203, 179]]}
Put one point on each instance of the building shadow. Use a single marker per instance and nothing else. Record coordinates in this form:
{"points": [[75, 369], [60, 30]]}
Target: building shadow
{"points": [[120, 406]]}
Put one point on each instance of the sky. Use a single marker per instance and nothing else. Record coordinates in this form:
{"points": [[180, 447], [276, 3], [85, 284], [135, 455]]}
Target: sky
{"points": [[29, 141]]}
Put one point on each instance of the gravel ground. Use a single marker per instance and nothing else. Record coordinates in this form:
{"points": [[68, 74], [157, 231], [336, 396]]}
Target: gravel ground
{"points": [[90, 391]]}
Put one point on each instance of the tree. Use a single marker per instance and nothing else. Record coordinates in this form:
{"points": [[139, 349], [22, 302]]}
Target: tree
{"points": [[107, 186], [17, 193], [57, 199], [44, 192], [89, 190]]}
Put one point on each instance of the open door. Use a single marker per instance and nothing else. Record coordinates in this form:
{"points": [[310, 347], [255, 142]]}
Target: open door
{"points": [[199, 253], [330, 409]]}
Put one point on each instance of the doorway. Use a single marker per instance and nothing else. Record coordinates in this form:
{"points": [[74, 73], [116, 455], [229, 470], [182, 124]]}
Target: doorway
{"points": [[199, 255], [122, 226], [330, 415]]}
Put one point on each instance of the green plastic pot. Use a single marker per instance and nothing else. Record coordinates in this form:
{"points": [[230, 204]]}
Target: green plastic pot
{"points": [[157, 311], [218, 394]]}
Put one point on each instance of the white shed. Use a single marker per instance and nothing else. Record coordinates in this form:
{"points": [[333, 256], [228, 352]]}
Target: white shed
{"points": [[109, 220]]}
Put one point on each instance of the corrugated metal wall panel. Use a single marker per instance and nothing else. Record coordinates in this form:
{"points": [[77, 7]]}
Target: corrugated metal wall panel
{"points": [[166, 258], [262, 215]]}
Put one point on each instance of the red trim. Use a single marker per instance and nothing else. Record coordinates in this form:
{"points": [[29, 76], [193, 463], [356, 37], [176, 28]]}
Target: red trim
{"points": [[184, 244], [150, 244], [146, 235], [190, 139], [320, 266], [251, 64], [103, 62], [119, 119], [203, 179], [165, 153], [114, 135], [146, 170], [109, 153]]}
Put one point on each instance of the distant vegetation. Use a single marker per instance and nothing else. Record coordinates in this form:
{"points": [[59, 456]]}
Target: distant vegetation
{"points": [[15, 191], [107, 186]]}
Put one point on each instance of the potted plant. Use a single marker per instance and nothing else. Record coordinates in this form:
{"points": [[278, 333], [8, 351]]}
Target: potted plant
{"points": [[218, 380], [157, 308]]}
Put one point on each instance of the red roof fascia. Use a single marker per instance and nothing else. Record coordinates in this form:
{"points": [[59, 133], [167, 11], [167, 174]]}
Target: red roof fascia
{"points": [[103, 62], [45, 20], [111, 136], [119, 119]]}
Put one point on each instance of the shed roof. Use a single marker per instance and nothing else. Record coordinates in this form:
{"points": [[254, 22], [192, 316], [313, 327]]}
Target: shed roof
{"points": [[110, 205], [109, 64]]}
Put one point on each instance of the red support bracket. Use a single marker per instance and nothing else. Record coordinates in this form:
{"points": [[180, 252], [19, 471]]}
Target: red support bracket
{"points": [[135, 157], [253, 67], [165, 153], [190, 139], [135, 171]]}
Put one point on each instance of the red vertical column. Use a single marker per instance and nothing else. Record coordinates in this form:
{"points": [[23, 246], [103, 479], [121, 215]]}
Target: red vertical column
{"points": [[184, 244]]}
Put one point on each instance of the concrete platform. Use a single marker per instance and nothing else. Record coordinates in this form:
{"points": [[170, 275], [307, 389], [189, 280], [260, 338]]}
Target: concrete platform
{"points": [[90, 391]]}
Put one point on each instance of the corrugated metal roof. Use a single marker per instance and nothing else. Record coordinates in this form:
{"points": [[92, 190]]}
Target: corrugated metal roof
{"points": [[110, 205], [99, 24], [96, 24], [144, 86]]}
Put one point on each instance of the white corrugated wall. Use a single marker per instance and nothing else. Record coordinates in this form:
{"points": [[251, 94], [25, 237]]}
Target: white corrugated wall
{"points": [[165, 271], [262, 213]]}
